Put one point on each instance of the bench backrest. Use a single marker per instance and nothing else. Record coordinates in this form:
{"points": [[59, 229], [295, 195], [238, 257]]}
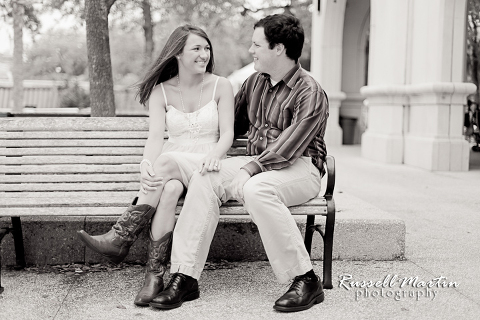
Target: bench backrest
{"points": [[47, 154]]}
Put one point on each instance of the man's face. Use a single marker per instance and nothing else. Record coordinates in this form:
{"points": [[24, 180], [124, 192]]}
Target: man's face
{"points": [[263, 56]]}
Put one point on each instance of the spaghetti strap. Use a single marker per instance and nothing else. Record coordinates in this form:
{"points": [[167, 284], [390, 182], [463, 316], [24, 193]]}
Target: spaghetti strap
{"points": [[164, 95], [215, 88]]}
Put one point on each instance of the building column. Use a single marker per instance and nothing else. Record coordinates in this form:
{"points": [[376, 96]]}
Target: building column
{"points": [[326, 59], [383, 139], [434, 139], [385, 93]]}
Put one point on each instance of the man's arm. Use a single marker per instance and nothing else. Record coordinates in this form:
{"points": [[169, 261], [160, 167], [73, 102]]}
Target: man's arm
{"points": [[309, 118]]}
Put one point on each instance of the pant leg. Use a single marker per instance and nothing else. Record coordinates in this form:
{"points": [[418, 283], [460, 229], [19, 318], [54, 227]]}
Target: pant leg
{"points": [[198, 219], [267, 196]]}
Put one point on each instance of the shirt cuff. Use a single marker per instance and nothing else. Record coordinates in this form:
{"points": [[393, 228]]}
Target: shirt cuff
{"points": [[253, 168]]}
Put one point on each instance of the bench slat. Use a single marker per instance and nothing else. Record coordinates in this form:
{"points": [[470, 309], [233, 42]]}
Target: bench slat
{"points": [[111, 201], [110, 151], [34, 135], [18, 144], [71, 151], [124, 186], [99, 199], [73, 178], [71, 160], [127, 196], [73, 168], [121, 199], [116, 211], [75, 124], [38, 136]]}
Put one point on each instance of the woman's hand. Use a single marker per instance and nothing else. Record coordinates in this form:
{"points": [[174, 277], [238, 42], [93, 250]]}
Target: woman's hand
{"points": [[148, 180], [209, 163]]}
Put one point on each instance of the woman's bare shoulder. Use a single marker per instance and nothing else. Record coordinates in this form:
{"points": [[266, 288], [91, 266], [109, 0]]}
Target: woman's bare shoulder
{"points": [[223, 83]]}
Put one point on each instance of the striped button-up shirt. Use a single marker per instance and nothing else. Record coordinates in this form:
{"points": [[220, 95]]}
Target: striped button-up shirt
{"points": [[282, 122]]}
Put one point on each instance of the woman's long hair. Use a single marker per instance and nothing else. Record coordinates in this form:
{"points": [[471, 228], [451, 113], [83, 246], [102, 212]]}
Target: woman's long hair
{"points": [[166, 66]]}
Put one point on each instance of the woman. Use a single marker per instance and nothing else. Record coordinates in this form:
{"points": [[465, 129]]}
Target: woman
{"points": [[196, 107]]}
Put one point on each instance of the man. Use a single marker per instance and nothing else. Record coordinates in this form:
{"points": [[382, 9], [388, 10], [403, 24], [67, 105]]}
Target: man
{"points": [[285, 112]]}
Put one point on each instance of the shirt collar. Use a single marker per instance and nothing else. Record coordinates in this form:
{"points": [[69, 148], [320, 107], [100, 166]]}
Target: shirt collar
{"points": [[291, 77]]}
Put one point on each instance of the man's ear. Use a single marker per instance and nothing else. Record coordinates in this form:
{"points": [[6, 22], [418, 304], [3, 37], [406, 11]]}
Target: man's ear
{"points": [[279, 48]]}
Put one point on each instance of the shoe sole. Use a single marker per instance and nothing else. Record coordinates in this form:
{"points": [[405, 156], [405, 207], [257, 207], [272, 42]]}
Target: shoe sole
{"points": [[316, 300], [114, 259], [188, 297]]}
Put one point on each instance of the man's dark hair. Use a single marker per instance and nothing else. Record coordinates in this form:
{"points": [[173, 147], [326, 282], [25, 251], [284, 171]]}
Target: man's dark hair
{"points": [[284, 29]]}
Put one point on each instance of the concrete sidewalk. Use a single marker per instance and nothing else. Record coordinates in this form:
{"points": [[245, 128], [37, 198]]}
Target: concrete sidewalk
{"points": [[440, 211]]}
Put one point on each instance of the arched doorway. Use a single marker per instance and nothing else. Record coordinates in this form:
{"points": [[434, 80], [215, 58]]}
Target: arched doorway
{"points": [[354, 69]]}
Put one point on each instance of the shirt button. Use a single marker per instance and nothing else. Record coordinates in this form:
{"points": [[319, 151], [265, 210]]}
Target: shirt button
{"points": [[266, 124], [269, 90], [261, 138]]}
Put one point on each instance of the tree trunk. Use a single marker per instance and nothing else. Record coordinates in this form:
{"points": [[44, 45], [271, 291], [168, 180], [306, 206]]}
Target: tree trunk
{"points": [[18, 13], [102, 100], [148, 31]]}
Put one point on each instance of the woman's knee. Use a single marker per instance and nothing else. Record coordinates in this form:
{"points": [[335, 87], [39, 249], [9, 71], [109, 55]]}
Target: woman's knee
{"points": [[164, 164], [172, 189]]}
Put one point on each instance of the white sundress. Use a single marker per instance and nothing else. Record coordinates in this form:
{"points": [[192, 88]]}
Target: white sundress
{"points": [[191, 135]]}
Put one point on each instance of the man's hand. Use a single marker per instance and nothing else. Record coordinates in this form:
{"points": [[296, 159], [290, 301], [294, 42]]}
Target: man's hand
{"points": [[236, 186]]}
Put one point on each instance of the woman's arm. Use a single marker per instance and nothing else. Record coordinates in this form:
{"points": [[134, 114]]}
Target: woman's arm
{"points": [[226, 121], [154, 144]]}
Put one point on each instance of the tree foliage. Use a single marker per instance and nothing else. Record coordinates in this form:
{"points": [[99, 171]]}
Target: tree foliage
{"points": [[30, 18], [138, 29], [57, 55]]}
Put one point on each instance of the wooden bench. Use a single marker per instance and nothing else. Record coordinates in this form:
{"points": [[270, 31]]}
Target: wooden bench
{"points": [[90, 166]]}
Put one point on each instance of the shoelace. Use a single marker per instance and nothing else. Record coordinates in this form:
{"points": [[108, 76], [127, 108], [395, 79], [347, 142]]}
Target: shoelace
{"points": [[176, 278], [297, 283]]}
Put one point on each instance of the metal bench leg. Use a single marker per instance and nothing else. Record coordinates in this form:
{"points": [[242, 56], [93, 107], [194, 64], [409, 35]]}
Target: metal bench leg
{"points": [[18, 240], [309, 230], [328, 248]]}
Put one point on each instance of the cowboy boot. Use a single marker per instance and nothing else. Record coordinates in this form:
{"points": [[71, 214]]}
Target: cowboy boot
{"points": [[115, 244], [158, 257]]}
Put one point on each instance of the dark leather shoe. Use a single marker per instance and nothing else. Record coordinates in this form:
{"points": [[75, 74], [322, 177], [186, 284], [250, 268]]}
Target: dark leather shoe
{"points": [[181, 288], [302, 295]]}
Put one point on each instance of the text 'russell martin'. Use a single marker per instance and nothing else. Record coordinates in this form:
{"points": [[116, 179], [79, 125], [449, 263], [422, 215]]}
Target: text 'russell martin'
{"points": [[396, 287]]}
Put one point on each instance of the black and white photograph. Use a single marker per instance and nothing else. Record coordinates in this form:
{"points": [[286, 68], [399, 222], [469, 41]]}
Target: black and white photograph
{"points": [[239, 159]]}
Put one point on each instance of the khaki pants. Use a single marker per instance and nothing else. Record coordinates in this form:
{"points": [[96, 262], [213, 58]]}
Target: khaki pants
{"points": [[267, 196]]}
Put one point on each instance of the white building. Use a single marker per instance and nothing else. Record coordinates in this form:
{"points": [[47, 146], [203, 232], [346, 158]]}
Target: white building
{"points": [[406, 59]]}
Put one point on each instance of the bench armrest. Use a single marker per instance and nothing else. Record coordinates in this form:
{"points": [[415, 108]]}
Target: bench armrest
{"points": [[330, 169]]}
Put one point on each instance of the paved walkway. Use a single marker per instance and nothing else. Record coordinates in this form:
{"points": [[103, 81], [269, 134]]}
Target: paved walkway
{"points": [[441, 212]]}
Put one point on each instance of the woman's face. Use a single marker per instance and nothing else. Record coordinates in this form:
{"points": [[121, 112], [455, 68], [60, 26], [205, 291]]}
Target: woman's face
{"points": [[195, 55]]}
